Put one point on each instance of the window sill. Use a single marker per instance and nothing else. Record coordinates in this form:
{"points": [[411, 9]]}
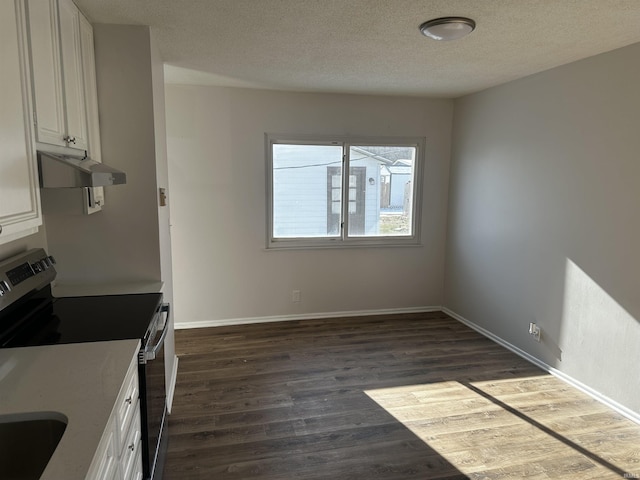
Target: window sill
{"points": [[340, 244]]}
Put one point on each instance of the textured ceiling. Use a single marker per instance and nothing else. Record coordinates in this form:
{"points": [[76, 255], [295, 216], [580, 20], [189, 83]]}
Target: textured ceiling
{"points": [[370, 46]]}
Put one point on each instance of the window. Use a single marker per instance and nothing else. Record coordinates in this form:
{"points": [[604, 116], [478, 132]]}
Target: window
{"points": [[338, 191]]}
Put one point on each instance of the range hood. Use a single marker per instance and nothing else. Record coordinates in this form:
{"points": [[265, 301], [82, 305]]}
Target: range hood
{"points": [[59, 170]]}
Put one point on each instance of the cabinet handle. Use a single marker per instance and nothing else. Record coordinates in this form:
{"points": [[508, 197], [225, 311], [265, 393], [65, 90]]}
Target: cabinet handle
{"points": [[132, 447], [128, 400], [69, 139]]}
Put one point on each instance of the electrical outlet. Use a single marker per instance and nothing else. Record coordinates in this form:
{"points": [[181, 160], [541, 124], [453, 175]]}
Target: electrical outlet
{"points": [[534, 331], [295, 296]]}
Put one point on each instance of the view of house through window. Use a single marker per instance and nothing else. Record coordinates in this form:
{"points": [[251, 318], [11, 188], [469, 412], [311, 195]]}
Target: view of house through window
{"points": [[304, 197], [342, 191], [381, 190]]}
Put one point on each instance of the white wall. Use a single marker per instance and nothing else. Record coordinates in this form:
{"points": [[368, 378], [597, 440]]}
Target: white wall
{"points": [[543, 218], [217, 171], [120, 243], [164, 218], [37, 240]]}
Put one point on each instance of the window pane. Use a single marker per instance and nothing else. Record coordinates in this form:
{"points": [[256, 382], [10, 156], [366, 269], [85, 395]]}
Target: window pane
{"points": [[307, 184], [382, 190]]}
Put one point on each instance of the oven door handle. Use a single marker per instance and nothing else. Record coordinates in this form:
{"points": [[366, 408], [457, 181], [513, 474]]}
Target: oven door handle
{"points": [[150, 352]]}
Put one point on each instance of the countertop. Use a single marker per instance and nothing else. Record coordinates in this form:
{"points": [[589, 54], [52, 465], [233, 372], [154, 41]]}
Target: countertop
{"points": [[80, 380]]}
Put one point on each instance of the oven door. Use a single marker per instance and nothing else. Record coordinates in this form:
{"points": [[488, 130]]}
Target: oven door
{"points": [[153, 391]]}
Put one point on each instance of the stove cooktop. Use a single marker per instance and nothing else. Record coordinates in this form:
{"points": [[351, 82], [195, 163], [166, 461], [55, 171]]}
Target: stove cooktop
{"points": [[87, 319], [30, 315]]}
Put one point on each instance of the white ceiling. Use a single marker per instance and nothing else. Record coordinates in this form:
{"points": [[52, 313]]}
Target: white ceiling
{"points": [[370, 46]]}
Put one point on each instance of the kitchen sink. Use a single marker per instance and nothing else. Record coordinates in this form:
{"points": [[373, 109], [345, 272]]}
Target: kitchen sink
{"points": [[27, 442]]}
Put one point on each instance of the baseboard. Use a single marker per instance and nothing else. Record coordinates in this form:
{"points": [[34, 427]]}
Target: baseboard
{"points": [[305, 316], [498, 340], [621, 409], [172, 384]]}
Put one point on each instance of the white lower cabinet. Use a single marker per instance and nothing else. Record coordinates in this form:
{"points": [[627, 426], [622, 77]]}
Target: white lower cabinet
{"points": [[137, 469], [105, 465], [131, 450], [119, 454]]}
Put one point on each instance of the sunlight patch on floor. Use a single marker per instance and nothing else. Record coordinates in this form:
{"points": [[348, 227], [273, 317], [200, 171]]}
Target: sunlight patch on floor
{"points": [[534, 428]]}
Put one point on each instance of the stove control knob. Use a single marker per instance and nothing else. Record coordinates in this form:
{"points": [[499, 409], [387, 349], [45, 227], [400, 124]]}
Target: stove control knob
{"points": [[51, 259], [4, 287]]}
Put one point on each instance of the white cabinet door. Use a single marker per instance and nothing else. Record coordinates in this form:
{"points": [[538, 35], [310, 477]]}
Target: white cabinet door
{"points": [[69, 18], [19, 193], [46, 66], [56, 63], [88, 59]]}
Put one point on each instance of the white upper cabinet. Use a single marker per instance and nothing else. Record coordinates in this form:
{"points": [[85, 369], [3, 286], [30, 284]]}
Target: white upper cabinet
{"points": [[58, 78], [19, 193], [88, 59], [46, 67], [72, 73]]}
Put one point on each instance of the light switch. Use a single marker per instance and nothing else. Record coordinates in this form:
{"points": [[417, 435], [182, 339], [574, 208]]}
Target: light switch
{"points": [[163, 197]]}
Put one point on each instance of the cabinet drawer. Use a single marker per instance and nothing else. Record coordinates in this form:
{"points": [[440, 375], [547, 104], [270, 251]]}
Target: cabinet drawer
{"points": [[127, 404], [131, 452]]}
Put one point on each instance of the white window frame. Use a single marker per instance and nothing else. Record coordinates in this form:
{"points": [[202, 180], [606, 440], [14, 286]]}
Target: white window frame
{"points": [[343, 240]]}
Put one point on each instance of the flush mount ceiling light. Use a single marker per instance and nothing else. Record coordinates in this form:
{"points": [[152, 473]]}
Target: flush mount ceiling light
{"points": [[448, 28]]}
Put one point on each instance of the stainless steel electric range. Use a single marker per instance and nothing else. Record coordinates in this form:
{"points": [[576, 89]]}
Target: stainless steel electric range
{"points": [[31, 316]]}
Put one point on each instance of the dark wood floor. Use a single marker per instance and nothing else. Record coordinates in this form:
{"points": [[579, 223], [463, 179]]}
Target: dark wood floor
{"points": [[416, 396]]}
